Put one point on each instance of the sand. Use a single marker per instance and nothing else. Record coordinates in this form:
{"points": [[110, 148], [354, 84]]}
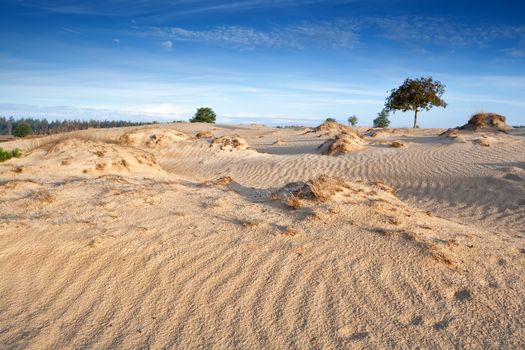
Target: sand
{"points": [[111, 241]]}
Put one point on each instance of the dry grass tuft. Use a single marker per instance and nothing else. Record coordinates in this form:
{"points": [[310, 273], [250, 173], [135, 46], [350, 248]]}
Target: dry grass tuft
{"points": [[384, 187], [398, 144], [330, 128], [44, 197], [100, 166], [230, 143], [100, 153], [250, 223], [440, 256], [290, 231], [204, 135], [221, 181], [294, 202], [19, 169]]}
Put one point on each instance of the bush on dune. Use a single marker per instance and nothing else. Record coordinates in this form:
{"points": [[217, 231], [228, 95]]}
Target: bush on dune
{"points": [[5, 155]]}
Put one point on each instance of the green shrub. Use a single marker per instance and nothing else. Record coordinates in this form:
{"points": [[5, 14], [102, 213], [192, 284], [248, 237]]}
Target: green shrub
{"points": [[330, 120], [352, 120], [22, 130], [204, 115], [5, 155], [382, 120]]}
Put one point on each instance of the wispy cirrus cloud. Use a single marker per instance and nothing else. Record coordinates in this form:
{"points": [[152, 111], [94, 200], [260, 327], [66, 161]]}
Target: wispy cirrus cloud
{"points": [[160, 8], [344, 33], [419, 30], [337, 34]]}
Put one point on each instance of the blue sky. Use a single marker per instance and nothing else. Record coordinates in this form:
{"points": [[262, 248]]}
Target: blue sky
{"points": [[271, 62]]}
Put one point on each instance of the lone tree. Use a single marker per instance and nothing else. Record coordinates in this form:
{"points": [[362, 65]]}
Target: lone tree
{"points": [[416, 95], [204, 115], [22, 130], [382, 120], [352, 120]]}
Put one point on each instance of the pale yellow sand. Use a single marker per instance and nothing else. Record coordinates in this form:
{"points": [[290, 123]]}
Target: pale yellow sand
{"points": [[132, 242]]}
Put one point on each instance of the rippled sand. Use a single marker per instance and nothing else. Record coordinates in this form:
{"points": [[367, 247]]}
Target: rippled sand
{"points": [[118, 239]]}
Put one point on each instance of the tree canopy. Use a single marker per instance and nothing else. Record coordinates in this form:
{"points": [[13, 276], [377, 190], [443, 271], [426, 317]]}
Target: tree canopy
{"points": [[204, 115], [416, 95], [352, 120], [22, 130], [43, 126]]}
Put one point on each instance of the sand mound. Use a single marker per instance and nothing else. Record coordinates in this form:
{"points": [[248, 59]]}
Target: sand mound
{"points": [[230, 143], [486, 122], [153, 138], [342, 144], [452, 135], [368, 200], [319, 189], [76, 156], [484, 141], [331, 128], [375, 132]]}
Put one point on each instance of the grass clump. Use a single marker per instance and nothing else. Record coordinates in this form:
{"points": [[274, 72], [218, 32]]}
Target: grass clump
{"points": [[5, 155]]}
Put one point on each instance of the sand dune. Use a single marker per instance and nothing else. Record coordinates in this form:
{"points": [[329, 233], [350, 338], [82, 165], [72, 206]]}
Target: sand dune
{"points": [[106, 243]]}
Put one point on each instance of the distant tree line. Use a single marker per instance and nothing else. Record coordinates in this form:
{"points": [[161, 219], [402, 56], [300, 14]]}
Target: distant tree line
{"points": [[43, 126]]}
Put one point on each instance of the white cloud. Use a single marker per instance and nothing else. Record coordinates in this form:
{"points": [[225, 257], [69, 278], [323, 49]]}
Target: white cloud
{"points": [[168, 45]]}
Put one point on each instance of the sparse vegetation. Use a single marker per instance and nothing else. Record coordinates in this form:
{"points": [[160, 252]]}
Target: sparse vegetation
{"points": [[352, 120], [416, 95], [5, 155], [330, 120], [382, 120], [204, 115]]}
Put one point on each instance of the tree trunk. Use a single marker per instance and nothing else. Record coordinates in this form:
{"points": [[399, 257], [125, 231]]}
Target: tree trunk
{"points": [[415, 118]]}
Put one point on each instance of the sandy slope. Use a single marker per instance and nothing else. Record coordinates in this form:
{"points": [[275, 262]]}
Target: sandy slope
{"points": [[112, 243]]}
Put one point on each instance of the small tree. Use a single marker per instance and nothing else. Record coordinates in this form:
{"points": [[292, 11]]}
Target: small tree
{"points": [[204, 115], [352, 120], [22, 130], [416, 95], [330, 120], [382, 120]]}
